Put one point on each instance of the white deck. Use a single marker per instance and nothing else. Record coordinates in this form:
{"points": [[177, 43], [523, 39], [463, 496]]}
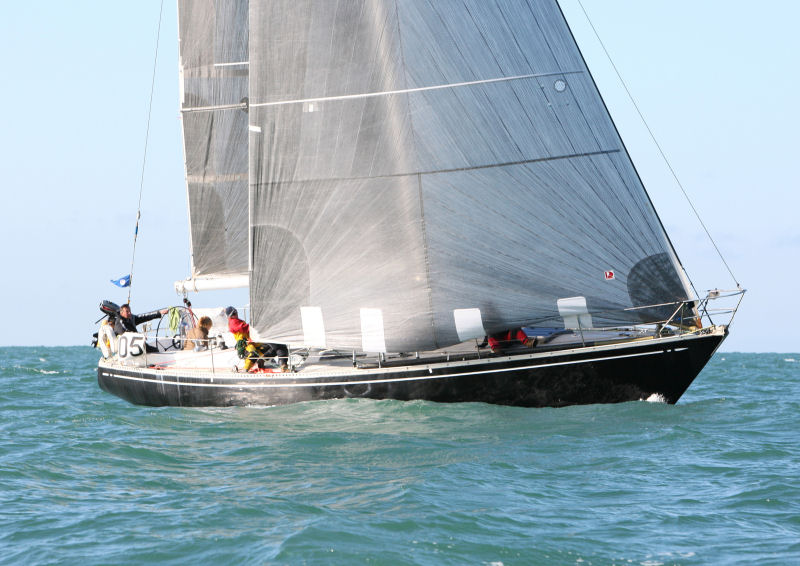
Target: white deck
{"points": [[226, 363]]}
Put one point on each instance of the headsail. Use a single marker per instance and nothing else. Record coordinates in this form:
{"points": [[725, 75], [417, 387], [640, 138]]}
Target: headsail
{"points": [[423, 172], [214, 83]]}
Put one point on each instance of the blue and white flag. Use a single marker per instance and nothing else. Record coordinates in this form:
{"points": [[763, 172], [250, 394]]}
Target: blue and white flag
{"points": [[122, 281]]}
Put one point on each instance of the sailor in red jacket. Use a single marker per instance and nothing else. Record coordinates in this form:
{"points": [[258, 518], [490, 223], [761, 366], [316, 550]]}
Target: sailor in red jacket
{"points": [[253, 351], [500, 339], [239, 328]]}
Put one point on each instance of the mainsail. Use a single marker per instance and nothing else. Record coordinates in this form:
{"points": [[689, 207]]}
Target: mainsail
{"points": [[421, 172], [214, 84]]}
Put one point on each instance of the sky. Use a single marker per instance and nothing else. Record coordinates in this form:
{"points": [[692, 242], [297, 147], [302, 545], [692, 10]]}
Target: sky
{"points": [[716, 82]]}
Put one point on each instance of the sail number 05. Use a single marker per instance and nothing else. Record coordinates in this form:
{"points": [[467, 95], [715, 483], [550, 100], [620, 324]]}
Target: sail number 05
{"points": [[131, 345]]}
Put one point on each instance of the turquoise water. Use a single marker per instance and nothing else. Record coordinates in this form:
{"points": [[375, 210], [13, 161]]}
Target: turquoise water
{"points": [[86, 478]]}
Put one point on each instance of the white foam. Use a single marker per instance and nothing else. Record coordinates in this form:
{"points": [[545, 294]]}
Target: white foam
{"points": [[656, 398], [789, 360], [36, 370]]}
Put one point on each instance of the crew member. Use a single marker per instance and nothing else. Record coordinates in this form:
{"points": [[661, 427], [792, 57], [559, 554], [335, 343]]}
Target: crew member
{"points": [[507, 336], [253, 351], [197, 337], [127, 322]]}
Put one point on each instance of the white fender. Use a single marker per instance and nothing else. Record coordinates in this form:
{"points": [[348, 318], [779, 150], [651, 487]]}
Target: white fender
{"points": [[107, 340]]}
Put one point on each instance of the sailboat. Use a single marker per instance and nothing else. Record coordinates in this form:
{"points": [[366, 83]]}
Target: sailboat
{"points": [[400, 183]]}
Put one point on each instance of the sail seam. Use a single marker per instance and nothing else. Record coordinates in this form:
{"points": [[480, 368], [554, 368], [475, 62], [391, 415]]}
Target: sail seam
{"points": [[427, 259], [458, 169], [374, 94], [412, 90]]}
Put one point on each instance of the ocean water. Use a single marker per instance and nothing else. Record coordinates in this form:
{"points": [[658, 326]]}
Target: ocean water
{"points": [[86, 478]]}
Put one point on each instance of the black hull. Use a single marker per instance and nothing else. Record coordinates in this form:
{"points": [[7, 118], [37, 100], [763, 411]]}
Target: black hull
{"points": [[604, 374]]}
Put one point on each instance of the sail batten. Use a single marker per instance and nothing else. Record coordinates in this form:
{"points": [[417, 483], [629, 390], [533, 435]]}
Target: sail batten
{"points": [[238, 106], [196, 285]]}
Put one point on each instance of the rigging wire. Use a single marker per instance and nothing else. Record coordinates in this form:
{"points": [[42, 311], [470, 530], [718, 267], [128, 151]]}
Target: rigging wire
{"points": [[658, 146], [144, 157]]}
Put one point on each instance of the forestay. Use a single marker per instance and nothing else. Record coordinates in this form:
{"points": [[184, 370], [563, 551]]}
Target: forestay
{"points": [[424, 172]]}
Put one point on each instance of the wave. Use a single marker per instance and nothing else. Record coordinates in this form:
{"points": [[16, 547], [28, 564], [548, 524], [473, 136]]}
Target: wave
{"points": [[22, 370]]}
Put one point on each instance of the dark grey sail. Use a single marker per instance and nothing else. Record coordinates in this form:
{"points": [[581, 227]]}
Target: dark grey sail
{"points": [[426, 172], [214, 82]]}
